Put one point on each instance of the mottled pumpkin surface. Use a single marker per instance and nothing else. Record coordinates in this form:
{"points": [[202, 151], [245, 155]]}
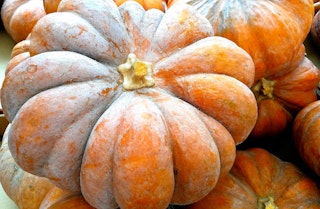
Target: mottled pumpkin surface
{"points": [[273, 33], [33, 192], [306, 135], [260, 180], [147, 105]]}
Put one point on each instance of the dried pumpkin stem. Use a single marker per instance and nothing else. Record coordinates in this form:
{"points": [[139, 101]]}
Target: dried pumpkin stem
{"points": [[135, 73], [263, 89], [266, 203]]}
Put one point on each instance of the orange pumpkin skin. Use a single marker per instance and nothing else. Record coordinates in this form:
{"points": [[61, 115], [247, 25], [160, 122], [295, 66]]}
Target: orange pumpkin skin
{"points": [[51, 6], [134, 143], [19, 17], [147, 4], [261, 180], [273, 34], [306, 135], [32, 192]]}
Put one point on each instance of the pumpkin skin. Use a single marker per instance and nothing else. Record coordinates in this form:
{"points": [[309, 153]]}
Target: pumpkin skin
{"points": [[32, 192], [19, 17], [91, 129], [51, 6], [147, 4], [260, 180], [273, 34], [306, 135]]}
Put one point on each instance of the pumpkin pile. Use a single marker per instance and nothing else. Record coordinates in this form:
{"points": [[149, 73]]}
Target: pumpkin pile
{"points": [[146, 104]]}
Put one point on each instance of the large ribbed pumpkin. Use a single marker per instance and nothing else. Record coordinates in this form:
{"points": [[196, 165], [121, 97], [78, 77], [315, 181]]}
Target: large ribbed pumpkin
{"points": [[134, 108]]}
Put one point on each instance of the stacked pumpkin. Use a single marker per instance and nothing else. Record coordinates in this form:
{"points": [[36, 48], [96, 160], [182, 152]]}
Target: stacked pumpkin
{"points": [[134, 107]]}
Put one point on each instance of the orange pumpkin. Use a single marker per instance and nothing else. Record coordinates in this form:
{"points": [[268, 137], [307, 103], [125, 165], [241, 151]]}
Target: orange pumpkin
{"points": [[281, 96], [306, 135], [32, 192], [147, 4], [19, 17], [273, 34], [51, 6], [260, 180], [147, 105]]}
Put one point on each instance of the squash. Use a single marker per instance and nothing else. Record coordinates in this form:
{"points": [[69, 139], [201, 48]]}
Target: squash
{"points": [[273, 34], [281, 96], [306, 135], [147, 105], [261, 180], [147, 4], [51, 6], [32, 192], [315, 26], [19, 17]]}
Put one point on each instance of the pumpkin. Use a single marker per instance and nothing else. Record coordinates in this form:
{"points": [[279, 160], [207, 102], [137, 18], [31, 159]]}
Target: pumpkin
{"points": [[19, 17], [147, 105], [281, 96], [315, 26], [261, 180], [32, 192], [306, 135], [273, 34], [51, 6], [147, 4]]}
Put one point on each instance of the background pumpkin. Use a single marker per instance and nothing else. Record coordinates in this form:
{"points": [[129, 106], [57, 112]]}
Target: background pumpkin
{"points": [[72, 86], [273, 34], [306, 135], [32, 192], [261, 180], [19, 17], [147, 4]]}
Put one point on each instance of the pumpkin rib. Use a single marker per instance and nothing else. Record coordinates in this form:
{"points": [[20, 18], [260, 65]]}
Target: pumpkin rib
{"points": [[109, 16], [307, 73], [188, 178], [150, 160], [95, 167], [141, 28], [190, 88], [189, 28], [209, 53], [75, 34], [35, 72], [29, 128], [306, 142]]}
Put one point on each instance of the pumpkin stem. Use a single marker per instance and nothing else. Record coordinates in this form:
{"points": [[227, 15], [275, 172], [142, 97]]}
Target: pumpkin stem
{"points": [[136, 73], [263, 89], [266, 203]]}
